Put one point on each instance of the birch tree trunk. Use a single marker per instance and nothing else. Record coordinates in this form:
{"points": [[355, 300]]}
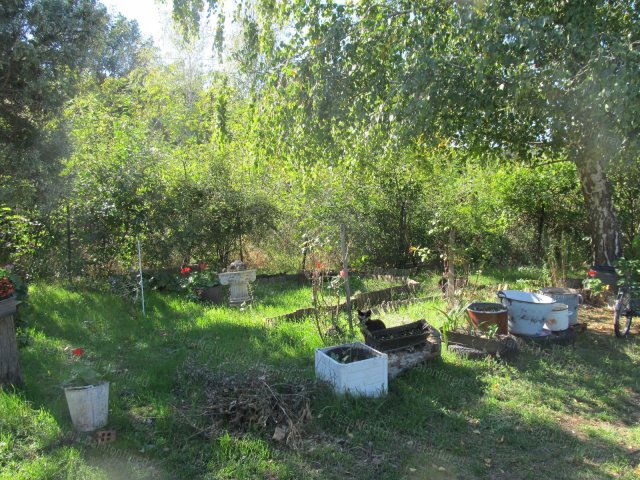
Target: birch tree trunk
{"points": [[603, 221]]}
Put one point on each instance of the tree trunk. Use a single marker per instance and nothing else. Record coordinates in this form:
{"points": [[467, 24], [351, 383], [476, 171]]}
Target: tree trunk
{"points": [[402, 235], [9, 366], [605, 230]]}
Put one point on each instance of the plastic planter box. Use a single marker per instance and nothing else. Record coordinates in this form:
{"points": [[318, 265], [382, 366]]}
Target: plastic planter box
{"points": [[366, 375]]}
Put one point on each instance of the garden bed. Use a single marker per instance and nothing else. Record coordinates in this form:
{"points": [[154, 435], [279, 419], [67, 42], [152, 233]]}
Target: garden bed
{"points": [[499, 345], [360, 300]]}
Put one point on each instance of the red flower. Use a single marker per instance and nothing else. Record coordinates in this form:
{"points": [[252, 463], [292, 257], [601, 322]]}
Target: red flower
{"points": [[6, 288], [185, 270], [592, 273], [77, 352]]}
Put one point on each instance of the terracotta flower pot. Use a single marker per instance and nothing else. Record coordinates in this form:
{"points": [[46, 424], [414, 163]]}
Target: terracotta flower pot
{"points": [[485, 314]]}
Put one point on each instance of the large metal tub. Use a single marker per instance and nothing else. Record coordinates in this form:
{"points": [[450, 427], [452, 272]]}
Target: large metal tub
{"points": [[528, 312]]}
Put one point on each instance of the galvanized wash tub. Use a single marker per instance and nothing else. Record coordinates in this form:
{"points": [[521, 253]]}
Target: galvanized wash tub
{"points": [[570, 296], [528, 312]]}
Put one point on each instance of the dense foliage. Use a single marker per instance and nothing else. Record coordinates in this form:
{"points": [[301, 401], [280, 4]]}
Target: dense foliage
{"points": [[448, 129]]}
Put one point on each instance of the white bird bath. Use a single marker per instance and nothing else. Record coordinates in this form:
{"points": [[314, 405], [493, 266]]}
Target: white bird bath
{"points": [[238, 285]]}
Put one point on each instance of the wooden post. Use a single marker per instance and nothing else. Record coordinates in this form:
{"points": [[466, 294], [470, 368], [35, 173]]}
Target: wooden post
{"points": [[69, 276], [9, 366], [304, 259], [451, 273], [345, 268], [141, 277]]}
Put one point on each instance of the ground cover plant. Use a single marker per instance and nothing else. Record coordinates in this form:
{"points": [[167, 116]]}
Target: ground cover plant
{"points": [[559, 413]]}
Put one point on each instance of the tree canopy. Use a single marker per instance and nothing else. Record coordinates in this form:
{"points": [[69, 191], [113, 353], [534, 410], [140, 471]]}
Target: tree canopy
{"points": [[518, 80], [510, 127]]}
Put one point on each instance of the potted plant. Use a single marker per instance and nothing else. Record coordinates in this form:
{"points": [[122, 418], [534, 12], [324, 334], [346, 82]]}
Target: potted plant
{"points": [[461, 333], [485, 314], [201, 283], [87, 396], [206, 286], [12, 290]]}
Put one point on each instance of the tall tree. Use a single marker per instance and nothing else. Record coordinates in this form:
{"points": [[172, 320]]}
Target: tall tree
{"points": [[42, 44]]}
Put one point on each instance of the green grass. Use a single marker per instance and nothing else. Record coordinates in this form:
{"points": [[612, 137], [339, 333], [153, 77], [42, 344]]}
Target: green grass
{"points": [[562, 413]]}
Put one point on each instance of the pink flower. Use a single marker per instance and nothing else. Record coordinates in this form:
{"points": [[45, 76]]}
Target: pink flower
{"points": [[343, 273]]}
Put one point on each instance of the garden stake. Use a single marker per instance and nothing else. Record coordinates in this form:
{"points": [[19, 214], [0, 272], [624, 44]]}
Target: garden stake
{"points": [[141, 283]]}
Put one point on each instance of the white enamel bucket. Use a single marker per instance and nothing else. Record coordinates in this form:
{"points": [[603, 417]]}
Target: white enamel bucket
{"points": [[558, 319]]}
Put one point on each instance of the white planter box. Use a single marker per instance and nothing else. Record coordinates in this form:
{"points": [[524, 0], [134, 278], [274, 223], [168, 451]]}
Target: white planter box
{"points": [[368, 377]]}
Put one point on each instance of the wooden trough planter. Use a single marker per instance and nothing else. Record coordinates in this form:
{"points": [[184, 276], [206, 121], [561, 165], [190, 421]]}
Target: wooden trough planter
{"points": [[499, 345], [407, 345], [398, 338], [548, 338], [361, 300]]}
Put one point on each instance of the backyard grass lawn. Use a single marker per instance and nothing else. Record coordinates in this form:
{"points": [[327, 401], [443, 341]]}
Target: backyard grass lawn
{"points": [[569, 412]]}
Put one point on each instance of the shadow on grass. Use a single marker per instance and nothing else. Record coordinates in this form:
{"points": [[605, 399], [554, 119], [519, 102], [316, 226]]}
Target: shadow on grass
{"points": [[286, 295], [508, 444], [597, 377]]}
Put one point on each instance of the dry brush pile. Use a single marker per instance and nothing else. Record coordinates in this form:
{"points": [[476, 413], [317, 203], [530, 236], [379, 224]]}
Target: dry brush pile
{"points": [[212, 401]]}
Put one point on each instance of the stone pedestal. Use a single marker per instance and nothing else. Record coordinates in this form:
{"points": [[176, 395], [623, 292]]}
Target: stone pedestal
{"points": [[238, 285]]}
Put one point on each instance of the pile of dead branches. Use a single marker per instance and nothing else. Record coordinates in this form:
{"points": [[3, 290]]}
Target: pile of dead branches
{"points": [[243, 402]]}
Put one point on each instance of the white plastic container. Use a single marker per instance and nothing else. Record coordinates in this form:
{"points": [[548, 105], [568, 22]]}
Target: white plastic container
{"points": [[88, 406], [367, 377], [558, 319], [528, 312]]}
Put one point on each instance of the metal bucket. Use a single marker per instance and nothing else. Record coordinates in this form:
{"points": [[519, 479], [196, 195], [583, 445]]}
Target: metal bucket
{"points": [[485, 314], [88, 406], [569, 296], [558, 320], [528, 312]]}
